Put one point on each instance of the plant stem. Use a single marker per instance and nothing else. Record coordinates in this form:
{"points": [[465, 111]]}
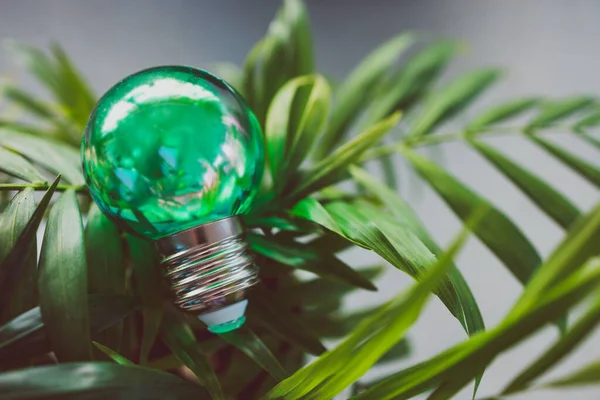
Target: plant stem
{"points": [[41, 186], [429, 140]]}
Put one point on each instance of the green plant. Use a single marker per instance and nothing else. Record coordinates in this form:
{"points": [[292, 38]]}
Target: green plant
{"points": [[101, 298]]}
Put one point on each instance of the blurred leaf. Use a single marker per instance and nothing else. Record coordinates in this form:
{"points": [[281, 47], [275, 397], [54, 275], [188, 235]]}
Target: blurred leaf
{"points": [[459, 364], [15, 260], [17, 166], [553, 203], [354, 91], [452, 99], [587, 375], [300, 256], [496, 231], [589, 121], [294, 14], [411, 82], [63, 282], [320, 175], [284, 53], [464, 307], [264, 310], [20, 291], [590, 139], [372, 338], [320, 291], [230, 73], [25, 336], [180, 339], [113, 355], [105, 265], [148, 283], [585, 169], [247, 341], [29, 102], [95, 381], [52, 155], [578, 246], [555, 111], [579, 331], [75, 94], [502, 113]]}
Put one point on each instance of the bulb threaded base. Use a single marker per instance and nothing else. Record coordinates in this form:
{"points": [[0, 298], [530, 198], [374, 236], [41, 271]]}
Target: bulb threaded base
{"points": [[208, 267]]}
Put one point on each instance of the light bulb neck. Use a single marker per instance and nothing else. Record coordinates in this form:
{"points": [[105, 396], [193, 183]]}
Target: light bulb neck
{"points": [[208, 267]]}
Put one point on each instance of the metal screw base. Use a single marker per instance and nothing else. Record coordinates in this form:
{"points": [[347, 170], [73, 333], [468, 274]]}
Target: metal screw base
{"points": [[208, 266]]}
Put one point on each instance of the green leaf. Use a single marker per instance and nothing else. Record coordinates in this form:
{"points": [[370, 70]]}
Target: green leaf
{"points": [[590, 139], [14, 260], [463, 306], [584, 168], [589, 121], [29, 102], [300, 256], [457, 365], [52, 155], [95, 381], [452, 99], [496, 231], [74, 92], [63, 282], [290, 137], [372, 338], [311, 210], [24, 337], [113, 355], [556, 111], [247, 341], [311, 120], [146, 271], [17, 166], [20, 292], [559, 350], [411, 82], [284, 53], [553, 203], [105, 265], [181, 340], [502, 113], [263, 310], [354, 91], [579, 245], [587, 375], [548, 296], [322, 173], [294, 14], [316, 292]]}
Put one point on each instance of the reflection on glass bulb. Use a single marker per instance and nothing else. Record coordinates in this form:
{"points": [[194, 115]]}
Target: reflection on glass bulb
{"points": [[170, 148], [173, 153]]}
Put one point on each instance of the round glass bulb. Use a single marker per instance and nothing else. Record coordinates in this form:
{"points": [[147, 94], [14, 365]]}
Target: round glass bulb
{"points": [[171, 148]]}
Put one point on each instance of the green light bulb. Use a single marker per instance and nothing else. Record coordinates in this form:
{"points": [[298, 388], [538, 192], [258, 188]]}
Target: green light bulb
{"points": [[173, 153]]}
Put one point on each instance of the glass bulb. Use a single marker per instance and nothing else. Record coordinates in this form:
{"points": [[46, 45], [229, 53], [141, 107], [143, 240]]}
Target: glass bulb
{"points": [[166, 153], [170, 148]]}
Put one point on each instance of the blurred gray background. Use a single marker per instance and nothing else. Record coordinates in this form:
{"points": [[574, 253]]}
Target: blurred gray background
{"points": [[549, 48]]}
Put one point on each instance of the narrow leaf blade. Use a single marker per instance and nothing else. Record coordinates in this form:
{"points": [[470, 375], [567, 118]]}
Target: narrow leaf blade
{"points": [[63, 282], [553, 203]]}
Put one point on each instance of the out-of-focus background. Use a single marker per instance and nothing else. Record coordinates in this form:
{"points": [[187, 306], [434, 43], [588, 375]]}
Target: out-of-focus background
{"points": [[548, 47]]}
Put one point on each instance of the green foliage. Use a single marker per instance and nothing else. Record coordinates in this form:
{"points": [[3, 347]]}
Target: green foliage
{"points": [[95, 302]]}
